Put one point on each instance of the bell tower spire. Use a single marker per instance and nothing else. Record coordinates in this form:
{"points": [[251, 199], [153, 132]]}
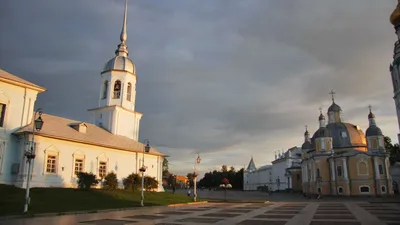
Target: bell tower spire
{"points": [[116, 109], [122, 49]]}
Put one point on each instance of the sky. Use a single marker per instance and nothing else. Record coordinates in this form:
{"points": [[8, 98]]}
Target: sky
{"points": [[226, 79]]}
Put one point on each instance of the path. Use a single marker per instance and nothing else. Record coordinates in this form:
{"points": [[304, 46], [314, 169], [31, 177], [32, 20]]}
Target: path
{"points": [[278, 213]]}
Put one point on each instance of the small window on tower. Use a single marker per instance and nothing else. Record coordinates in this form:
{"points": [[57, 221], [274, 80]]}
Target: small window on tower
{"points": [[129, 92], [117, 89], [344, 135], [105, 89]]}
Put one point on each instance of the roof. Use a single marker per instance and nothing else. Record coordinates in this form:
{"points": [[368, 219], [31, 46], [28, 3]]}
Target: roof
{"points": [[344, 135], [373, 130], [60, 128], [10, 78], [334, 108], [251, 165]]}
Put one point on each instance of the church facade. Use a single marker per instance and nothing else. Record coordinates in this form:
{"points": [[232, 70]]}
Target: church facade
{"points": [[395, 65], [339, 159], [283, 174], [64, 147]]}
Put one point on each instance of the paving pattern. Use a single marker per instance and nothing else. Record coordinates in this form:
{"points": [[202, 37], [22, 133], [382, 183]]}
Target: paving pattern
{"points": [[277, 213]]}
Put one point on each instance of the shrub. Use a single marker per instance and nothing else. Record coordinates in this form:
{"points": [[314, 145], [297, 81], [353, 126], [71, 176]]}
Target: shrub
{"points": [[132, 182], [86, 180], [150, 183], [110, 181]]}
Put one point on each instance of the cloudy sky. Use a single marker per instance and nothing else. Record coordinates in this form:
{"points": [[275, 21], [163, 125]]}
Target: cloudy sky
{"points": [[228, 79]]}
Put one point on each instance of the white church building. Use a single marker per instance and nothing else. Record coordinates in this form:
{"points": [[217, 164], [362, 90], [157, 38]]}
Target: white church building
{"points": [[276, 176], [63, 146]]}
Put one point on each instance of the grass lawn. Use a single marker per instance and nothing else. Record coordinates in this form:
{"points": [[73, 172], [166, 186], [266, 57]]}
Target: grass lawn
{"points": [[46, 200]]}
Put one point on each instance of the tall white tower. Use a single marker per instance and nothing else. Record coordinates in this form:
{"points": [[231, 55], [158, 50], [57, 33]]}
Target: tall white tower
{"points": [[116, 107], [394, 67]]}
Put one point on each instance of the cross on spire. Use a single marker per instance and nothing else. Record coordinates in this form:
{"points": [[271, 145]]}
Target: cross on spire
{"points": [[333, 95], [306, 127], [320, 110], [370, 108]]}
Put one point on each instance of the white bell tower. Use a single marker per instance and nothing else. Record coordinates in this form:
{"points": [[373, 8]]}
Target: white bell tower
{"points": [[116, 107], [395, 65]]}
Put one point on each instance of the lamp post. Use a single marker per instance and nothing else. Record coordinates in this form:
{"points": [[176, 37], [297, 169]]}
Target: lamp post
{"points": [[143, 169], [198, 159], [319, 183], [278, 183], [30, 154]]}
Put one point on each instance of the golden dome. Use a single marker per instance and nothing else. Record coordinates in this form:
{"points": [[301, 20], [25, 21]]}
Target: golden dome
{"points": [[395, 16]]}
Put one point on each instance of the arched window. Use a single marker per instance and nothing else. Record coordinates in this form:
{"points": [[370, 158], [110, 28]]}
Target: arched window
{"points": [[105, 89], [364, 189], [340, 190], [383, 189], [129, 92], [362, 168], [318, 174], [117, 89]]}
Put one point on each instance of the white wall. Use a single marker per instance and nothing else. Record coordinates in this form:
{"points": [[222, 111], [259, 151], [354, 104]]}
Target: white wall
{"points": [[278, 171], [20, 103], [122, 163], [257, 178]]}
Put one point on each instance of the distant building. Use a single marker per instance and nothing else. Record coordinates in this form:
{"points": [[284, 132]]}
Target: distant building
{"points": [[340, 159], [395, 65], [283, 174], [64, 147]]}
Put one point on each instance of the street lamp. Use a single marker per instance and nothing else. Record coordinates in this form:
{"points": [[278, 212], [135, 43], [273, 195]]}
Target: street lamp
{"points": [[319, 182], [198, 159], [143, 169], [278, 183], [30, 154]]}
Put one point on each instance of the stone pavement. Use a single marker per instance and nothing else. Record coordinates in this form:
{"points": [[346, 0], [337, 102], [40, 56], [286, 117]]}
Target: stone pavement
{"points": [[274, 213]]}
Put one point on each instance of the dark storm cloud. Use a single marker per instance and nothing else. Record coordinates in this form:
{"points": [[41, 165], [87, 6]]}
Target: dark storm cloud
{"points": [[241, 78]]}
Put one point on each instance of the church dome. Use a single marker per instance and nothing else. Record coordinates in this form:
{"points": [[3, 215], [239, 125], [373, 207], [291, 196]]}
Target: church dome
{"points": [[322, 132], [120, 62], [373, 131], [306, 145], [395, 16], [334, 108], [344, 135]]}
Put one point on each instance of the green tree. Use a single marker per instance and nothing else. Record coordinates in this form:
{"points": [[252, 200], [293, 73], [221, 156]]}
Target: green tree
{"points": [[86, 180], [394, 150], [132, 182], [190, 178], [165, 169], [110, 181], [224, 168]]}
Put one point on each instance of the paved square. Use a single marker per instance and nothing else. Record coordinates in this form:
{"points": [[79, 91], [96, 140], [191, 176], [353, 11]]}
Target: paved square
{"points": [[278, 213], [199, 220], [109, 222], [261, 222], [146, 217]]}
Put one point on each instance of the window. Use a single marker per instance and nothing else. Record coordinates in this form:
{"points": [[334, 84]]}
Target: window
{"points": [[318, 175], [78, 166], [105, 89], [339, 171], [383, 189], [298, 176], [117, 89], [380, 167], [129, 92], [2, 114], [102, 169], [51, 164], [340, 190], [362, 168], [364, 189], [344, 134]]}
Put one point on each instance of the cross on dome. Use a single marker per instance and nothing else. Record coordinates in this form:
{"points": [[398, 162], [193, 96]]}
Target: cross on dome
{"points": [[333, 95], [369, 106]]}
